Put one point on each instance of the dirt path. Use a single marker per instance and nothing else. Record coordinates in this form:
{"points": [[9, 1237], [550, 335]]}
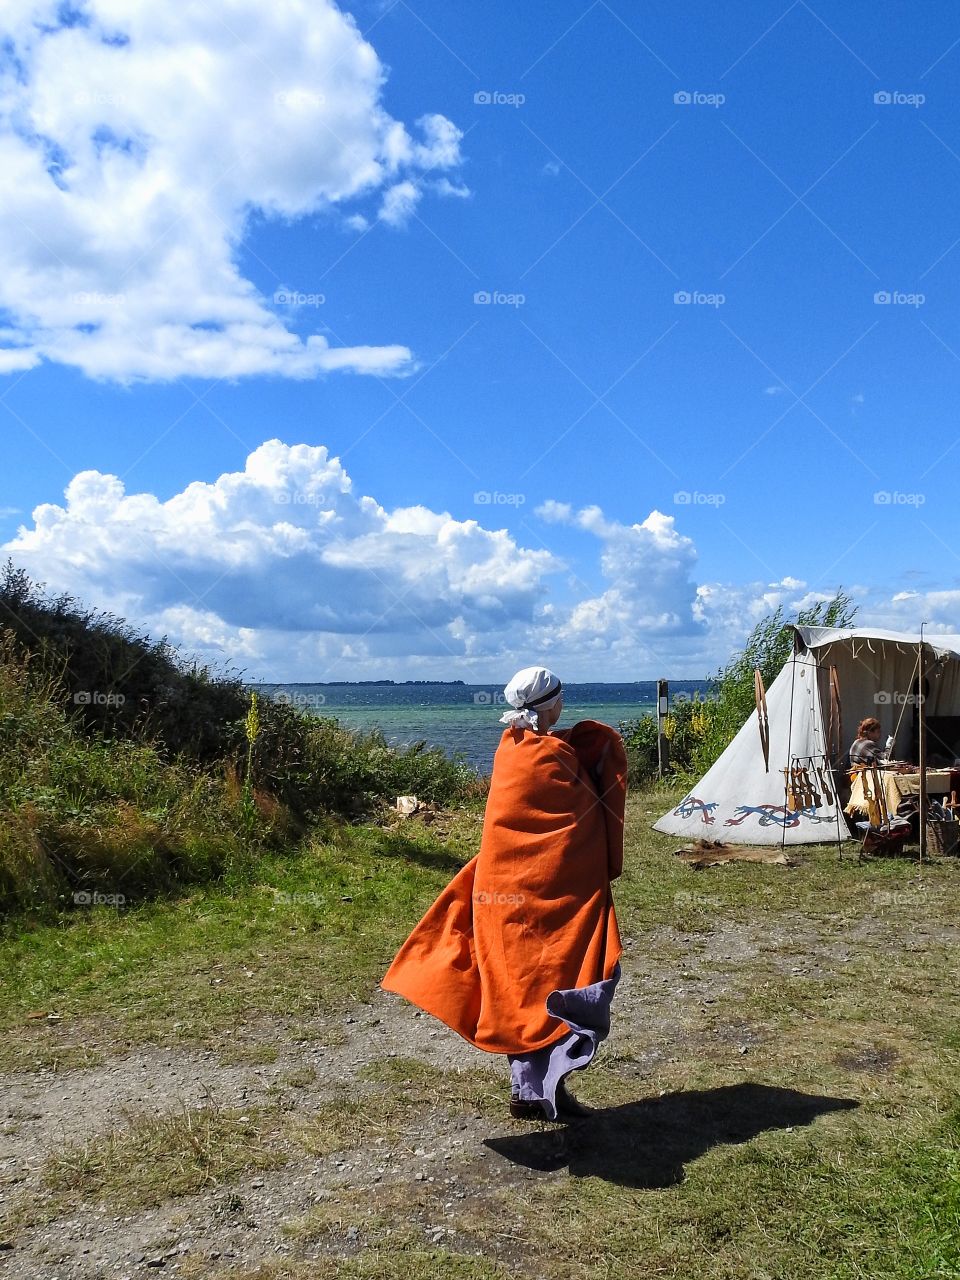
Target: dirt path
{"points": [[242, 1221]]}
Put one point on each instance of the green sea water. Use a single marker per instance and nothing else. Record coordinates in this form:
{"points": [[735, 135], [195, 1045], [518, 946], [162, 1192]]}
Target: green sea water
{"points": [[463, 719]]}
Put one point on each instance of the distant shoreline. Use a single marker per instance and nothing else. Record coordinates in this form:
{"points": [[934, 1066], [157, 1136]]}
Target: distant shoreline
{"points": [[329, 684], [399, 684]]}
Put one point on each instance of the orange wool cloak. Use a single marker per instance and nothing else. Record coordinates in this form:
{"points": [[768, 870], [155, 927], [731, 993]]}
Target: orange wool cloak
{"points": [[532, 912]]}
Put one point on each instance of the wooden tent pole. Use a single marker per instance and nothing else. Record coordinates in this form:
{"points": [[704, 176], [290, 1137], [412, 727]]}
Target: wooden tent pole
{"points": [[786, 772]]}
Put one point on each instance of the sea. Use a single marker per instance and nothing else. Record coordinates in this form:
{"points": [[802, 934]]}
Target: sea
{"points": [[463, 719]]}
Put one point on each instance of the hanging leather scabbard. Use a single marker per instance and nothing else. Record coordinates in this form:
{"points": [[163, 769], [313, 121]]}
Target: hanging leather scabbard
{"points": [[763, 721]]}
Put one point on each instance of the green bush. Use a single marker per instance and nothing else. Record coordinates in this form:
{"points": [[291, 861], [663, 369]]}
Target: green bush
{"points": [[318, 765], [640, 741], [80, 813]]}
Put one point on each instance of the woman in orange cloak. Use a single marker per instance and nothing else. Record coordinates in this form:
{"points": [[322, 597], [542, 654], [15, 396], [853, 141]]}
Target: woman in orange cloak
{"points": [[520, 953]]}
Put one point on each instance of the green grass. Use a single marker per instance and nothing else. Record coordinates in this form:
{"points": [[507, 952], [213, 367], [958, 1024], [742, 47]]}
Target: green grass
{"points": [[311, 934], [407, 1087], [154, 1157], [826, 1202], [829, 1201], [835, 1194], [409, 1263]]}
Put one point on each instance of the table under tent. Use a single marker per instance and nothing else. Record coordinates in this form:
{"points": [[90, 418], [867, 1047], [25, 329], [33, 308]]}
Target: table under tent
{"points": [[774, 783]]}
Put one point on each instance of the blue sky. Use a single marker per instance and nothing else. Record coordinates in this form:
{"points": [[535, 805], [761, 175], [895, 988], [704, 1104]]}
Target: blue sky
{"points": [[585, 470]]}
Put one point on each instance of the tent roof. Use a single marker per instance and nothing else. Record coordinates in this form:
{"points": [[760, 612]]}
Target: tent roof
{"points": [[821, 637]]}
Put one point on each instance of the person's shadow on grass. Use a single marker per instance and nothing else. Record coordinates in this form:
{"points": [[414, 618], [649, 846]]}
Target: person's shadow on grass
{"points": [[647, 1143]]}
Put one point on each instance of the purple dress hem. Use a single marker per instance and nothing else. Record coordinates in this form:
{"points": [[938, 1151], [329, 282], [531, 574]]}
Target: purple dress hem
{"points": [[536, 1077]]}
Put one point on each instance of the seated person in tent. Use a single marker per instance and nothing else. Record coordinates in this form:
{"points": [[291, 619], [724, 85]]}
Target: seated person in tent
{"points": [[866, 749], [520, 953]]}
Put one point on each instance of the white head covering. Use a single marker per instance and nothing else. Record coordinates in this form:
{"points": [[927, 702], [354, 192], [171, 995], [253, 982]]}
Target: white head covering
{"points": [[531, 690]]}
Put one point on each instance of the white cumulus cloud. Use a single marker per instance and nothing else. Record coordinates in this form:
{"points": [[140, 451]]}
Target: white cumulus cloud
{"points": [[284, 565], [136, 142], [649, 566], [284, 570]]}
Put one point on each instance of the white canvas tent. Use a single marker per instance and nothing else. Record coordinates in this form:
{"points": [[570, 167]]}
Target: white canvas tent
{"points": [[740, 802]]}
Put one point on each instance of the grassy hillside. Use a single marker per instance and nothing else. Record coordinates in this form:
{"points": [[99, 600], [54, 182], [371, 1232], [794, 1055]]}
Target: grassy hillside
{"points": [[86, 809]]}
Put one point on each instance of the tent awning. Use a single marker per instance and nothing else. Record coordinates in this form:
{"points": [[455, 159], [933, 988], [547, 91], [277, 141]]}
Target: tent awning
{"points": [[941, 644]]}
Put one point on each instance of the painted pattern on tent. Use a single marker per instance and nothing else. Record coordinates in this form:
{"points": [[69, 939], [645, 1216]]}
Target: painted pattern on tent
{"points": [[768, 814], [691, 805]]}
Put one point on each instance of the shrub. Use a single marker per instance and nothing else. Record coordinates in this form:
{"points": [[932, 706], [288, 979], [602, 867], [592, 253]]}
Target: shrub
{"points": [[317, 764], [81, 813], [183, 778]]}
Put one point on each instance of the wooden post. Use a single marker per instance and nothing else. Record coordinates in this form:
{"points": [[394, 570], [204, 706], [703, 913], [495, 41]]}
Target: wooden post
{"points": [[663, 742]]}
